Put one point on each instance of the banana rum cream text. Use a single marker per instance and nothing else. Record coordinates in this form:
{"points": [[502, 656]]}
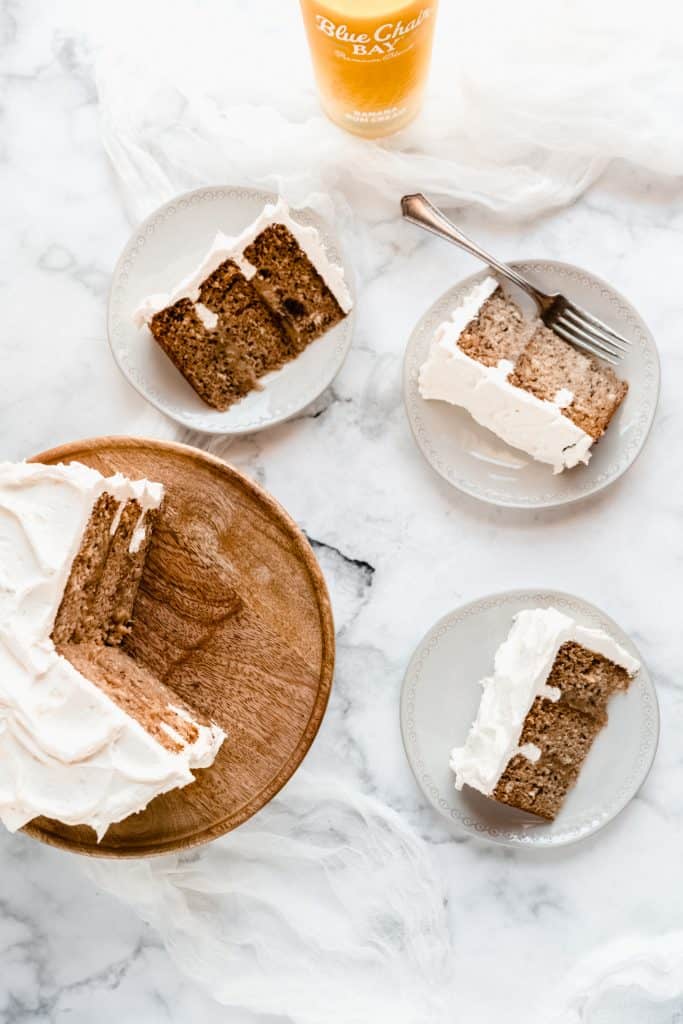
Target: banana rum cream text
{"points": [[371, 59]]}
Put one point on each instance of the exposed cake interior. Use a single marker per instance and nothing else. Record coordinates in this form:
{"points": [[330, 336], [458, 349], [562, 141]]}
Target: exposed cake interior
{"points": [[256, 301], [96, 615], [541, 710], [98, 599], [291, 286], [138, 692], [520, 380], [224, 343], [497, 329], [88, 734], [548, 365]]}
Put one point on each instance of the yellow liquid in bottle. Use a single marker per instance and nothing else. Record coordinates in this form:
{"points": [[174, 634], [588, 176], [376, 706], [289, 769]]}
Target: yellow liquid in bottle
{"points": [[371, 59]]}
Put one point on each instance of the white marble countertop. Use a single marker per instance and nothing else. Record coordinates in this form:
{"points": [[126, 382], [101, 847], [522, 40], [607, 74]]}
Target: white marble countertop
{"points": [[399, 549]]}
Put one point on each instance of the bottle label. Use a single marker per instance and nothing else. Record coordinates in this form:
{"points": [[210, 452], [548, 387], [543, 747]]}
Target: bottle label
{"points": [[387, 40]]}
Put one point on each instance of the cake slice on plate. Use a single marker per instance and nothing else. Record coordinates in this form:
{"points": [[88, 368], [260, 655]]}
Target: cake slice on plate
{"points": [[88, 735], [520, 380], [541, 710], [255, 302]]}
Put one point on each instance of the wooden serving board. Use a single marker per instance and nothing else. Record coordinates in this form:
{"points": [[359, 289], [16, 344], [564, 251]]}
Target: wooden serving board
{"points": [[234, 615]]}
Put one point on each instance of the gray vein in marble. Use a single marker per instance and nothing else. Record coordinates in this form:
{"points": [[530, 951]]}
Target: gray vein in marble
{"points": [[57, 259], [321, 405], [366, 570], [47, 1003], [8, 24]]}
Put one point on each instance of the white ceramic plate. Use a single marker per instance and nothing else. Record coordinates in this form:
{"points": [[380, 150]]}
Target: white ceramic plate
{"points": [[164, 249], [476, 461], [439, 701]]}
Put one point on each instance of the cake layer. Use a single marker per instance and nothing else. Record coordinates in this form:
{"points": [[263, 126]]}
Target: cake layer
{"points": [[587, 679], [74, 745], [538, 788], [291, 286], [548, 663], [518, 379], [86, 570], [100, 592], [138, 693], [559, 731], [219, 376], [563, 735], [227, 340], [248, 327], [548, 364], [115, 599], [497, 331]]}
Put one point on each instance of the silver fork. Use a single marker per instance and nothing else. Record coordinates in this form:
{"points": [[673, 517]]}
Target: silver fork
{"points": [[571, 322]]}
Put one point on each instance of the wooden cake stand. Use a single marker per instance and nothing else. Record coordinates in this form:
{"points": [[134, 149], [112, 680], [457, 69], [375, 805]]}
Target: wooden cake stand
{"points": [[235, 605]]}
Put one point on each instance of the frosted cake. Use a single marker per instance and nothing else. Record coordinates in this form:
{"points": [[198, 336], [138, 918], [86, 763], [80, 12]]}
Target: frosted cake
{"points": [[87, 734], [520, 380], [541, 710]]}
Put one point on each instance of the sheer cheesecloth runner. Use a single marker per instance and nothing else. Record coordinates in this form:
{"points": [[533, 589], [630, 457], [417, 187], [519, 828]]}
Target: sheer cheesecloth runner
{"points": [[528, 104], [636, 980], [323, 908]]}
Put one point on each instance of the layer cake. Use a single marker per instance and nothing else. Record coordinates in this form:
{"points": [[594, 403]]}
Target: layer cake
{"points": [[88, 735], [255, 302]]}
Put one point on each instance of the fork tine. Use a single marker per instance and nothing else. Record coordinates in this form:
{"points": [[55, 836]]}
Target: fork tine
{"points": [[594, 332], [589, 337], [584, 317], [591, 347]]}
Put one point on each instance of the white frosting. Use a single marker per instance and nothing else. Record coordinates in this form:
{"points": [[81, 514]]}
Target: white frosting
{"points": [[232, 247], [463, 314], [522, 665], [521, 419], [563, 398], [66, 750], [206, 315]]}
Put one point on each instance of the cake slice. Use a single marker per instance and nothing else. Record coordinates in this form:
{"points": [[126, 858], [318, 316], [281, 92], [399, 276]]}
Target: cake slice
{"points": [[541, 710], [88, 735], [520, 380], [256, 302]]}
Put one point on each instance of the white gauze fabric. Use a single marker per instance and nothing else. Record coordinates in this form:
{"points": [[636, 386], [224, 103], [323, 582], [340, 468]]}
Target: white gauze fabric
{"points": [[526, 105], [324, 882], [635, 980]]}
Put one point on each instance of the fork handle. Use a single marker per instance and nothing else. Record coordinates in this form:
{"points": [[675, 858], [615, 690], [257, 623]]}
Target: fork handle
{"points": [[417, 209]]}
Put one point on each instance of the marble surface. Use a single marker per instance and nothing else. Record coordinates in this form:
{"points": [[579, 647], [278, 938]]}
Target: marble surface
{"points": [[399, 548]]}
